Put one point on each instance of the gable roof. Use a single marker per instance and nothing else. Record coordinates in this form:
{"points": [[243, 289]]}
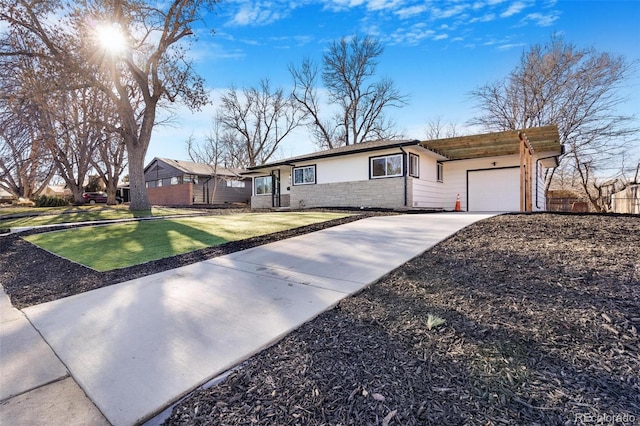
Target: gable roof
{"points": [[200, 169], [542, 139], [343, 150]]}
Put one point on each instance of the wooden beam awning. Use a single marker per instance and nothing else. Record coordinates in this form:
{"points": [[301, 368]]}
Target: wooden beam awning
{"points": [[542, 139]]}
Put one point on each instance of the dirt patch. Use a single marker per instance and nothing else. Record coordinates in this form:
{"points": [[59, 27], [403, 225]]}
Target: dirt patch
{"points": [[541, 316]]}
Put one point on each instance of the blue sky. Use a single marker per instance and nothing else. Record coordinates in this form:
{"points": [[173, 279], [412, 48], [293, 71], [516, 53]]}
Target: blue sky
{"points": [[435, 51]]}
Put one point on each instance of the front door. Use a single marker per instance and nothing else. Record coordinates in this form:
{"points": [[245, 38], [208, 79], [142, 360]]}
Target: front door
{"points": [[275, 185]]}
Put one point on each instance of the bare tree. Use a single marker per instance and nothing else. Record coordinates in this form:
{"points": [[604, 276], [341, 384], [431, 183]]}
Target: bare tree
{"points": [[349, 65], [110, 161], [207, 153], [576, 89], [25, 165], [258, 119], [75, 136], [436, 129], [25, 162], [151, 62]]}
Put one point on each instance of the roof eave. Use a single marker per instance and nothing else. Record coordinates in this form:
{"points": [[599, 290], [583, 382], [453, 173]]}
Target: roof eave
{"points": [[327, 154]]}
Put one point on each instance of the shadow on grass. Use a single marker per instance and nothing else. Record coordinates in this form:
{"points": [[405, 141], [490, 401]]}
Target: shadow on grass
{"points": [[141, 213], [127, 244]]}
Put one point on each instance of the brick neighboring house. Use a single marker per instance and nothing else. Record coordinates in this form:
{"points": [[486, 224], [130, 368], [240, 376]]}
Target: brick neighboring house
{"points": [[185, 183]]}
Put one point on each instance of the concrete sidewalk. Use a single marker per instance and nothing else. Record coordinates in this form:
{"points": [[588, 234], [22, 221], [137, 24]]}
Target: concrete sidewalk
{"points": [[35, 387], [136, 347]]}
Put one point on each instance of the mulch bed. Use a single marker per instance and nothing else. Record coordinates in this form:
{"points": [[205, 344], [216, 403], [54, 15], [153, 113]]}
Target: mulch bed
{"points": [[541, 312]]}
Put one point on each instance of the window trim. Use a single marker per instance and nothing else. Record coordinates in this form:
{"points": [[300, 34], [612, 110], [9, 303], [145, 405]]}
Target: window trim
{"points": [[414, 173], [440, 171], [190, 179], [235, 183], [310, 166], [255, 185], [371, 159]]}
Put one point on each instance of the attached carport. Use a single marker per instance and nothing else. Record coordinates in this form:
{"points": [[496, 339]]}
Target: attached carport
{"points": [[508, 188]]}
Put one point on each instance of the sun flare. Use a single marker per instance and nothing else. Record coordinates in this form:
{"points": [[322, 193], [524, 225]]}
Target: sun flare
{"points": [[111, 39]]}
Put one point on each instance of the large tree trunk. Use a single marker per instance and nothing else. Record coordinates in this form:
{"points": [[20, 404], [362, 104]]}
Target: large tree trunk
{"points": [[111, 188], [138, 195]]}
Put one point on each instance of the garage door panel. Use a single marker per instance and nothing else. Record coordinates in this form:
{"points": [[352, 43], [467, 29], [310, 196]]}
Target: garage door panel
{"points": [[494, 189]]}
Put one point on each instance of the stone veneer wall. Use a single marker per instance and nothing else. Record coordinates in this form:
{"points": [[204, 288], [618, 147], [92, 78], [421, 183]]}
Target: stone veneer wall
{"points": [[264, 201], [382, 193]]}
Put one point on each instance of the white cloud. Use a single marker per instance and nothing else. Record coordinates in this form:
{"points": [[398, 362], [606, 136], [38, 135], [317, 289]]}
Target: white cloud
{"points": [[259, 13], [508, 46], [514, 9], [204, 52], [450, 12], [441, 37], [341, 5], [408, 12], [542, 20], [383, 4], [489, 17], [412, 35]]}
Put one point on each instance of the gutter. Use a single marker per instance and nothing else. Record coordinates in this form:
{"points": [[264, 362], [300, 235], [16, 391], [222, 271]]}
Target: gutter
{"points": [[405, 161]]}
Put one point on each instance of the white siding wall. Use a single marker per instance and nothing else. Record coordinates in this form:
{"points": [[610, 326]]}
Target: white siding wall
{"points": [[351, 168], [427, 192]]}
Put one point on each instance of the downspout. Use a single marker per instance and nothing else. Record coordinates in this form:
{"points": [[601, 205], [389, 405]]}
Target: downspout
{"points": [[206, 185], [405, 161], [537, 183]]}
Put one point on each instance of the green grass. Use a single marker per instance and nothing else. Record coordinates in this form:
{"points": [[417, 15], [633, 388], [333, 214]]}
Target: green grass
{"points": [[108, 247], [32, 216]]}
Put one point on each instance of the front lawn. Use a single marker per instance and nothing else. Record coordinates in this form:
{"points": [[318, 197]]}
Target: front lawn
{"points": [[108, 247], [14, 217]]}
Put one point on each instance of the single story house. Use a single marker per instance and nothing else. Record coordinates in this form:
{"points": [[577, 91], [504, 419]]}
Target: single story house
{"points": [[175, 182], [501, 171]]}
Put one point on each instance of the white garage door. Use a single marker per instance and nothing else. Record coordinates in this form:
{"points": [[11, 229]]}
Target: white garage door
{"points": [[495, 190]]}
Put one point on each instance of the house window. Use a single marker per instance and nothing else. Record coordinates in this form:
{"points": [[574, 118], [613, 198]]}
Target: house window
{"points": [[387, 166], [174, 180], [440, 172], [304, 175], [263, 185], [190, 178], [414, 165], [159, 183], [235, 184]]}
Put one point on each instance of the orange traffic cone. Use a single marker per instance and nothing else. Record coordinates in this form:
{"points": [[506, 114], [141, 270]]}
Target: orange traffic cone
{"points": [[457, 208]]}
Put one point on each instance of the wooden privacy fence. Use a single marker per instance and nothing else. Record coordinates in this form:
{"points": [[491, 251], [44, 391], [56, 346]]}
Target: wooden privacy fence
{"points": [[567, 204]]}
